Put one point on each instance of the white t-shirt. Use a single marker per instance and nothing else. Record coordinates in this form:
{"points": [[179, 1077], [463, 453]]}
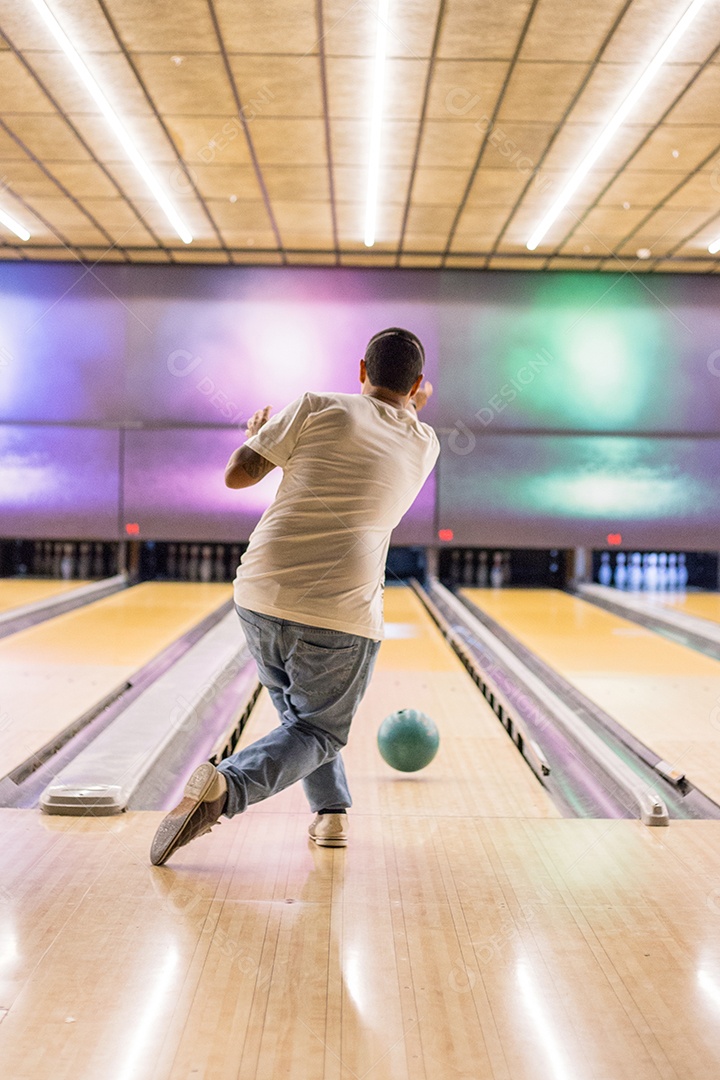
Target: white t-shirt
{"points": [[352, 466]]}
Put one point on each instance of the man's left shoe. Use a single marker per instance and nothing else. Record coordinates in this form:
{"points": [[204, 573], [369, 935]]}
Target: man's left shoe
{"points": [[329, 830], [192, 817]]}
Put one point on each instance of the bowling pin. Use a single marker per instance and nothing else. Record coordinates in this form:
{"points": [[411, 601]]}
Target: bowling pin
{"points": [[651, 575], [193, 562], [469, 569], [183, 562], [621, 572], [206, 566], [171, 564], [234, 560], [455, 566], [682, 572], [57, 557], [662, 573], [220, 563], [496, 574], [635, 576], [672, 573], [482, 571], [67, 562], [605, 571]]}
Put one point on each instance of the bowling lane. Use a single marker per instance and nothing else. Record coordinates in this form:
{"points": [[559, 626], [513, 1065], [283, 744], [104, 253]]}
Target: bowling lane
{"points": [[665, 694], [53, 673], [17, 592], [701, 605], [477, 771]]}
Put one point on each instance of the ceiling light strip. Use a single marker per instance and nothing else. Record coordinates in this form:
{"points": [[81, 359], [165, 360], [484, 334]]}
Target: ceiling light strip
{"points": [[610, 129], [376, 119], [113, 120], [14, 226]]}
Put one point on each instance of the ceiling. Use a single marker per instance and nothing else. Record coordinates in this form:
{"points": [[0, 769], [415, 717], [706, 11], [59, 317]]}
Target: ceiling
{"points": [[255, 116]]}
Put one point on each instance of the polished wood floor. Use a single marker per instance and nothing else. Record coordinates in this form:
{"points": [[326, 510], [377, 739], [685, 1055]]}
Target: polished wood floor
{"points": [[704, 605], [664, 693], [52, 673], [456, 938], [17, 592]]}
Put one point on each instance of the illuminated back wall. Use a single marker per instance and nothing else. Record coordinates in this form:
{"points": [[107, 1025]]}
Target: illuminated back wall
{"points": [[569, 405]]}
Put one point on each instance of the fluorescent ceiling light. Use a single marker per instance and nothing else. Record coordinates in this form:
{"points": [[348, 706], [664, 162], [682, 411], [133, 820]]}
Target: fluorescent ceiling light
{"points": [[14, 226], [714, 247], [606, 135], [113, 120], [376, 123]]}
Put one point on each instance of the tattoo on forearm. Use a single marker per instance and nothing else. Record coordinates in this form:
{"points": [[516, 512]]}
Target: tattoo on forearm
{"points": [[255, 465]]}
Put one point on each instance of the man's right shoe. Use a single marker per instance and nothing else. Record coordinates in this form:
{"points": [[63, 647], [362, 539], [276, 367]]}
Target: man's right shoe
{"points": [[194, 816], [329, 830]]}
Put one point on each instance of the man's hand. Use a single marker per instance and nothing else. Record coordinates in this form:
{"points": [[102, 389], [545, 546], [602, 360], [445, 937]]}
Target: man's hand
{"points": [[422, 395], [257, 420]]}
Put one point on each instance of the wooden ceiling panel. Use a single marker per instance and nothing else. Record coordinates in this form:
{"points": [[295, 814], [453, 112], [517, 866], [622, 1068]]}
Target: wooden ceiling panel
{"points": [[465, 89], [351, 28], [574, 141], [224, 181], [278, 85], [273, 26], [428, 262], [248, 238], [209, 140], [486, 31], [298, 184], [609, 85], [289, 142], [639, 188], [20, 92], [82, 20], [303, 217], [676, 148], [350, 82], [198, 87], [430, 219], [351, 183], [146, 131], [702, 191], [49, 138], [84, 179], [111, 70], [701, 104], [27, 179], [290, 60], [563, 31], [449, 145], [648, 23], [541, 92], [441, 187], [183, 26], [350, 141], [243, 215]]}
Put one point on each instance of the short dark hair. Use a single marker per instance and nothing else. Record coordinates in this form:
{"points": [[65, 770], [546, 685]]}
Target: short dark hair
{"points": [[394, 359]]}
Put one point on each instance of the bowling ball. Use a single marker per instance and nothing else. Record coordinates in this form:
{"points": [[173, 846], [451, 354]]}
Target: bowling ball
{"points": [[408, 740]]}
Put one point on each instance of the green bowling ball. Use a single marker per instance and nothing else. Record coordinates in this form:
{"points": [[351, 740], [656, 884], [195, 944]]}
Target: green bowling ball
{"points": [[408, 740]]}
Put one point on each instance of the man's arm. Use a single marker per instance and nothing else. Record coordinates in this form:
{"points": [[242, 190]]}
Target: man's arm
{"points": [[246, 467]]}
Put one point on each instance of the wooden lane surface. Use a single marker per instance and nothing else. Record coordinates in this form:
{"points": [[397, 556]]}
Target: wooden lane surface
{"points": [[479, 948], [477, 770], [702, 605], [52, 673], [665, 694], [17, 592]]}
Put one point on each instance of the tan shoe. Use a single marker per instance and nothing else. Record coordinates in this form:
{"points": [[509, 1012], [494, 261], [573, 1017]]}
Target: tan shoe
{"points": [[193, 816], [329, 830]]}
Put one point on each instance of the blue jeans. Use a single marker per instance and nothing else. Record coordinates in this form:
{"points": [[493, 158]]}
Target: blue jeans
{"points": [[316, 679]]}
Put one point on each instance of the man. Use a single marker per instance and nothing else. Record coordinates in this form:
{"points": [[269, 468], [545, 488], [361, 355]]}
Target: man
{"points": [[309, 587]]}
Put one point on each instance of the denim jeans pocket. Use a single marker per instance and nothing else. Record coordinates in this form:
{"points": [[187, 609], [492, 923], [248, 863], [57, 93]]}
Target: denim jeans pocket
{"points": [[323, 675]]}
